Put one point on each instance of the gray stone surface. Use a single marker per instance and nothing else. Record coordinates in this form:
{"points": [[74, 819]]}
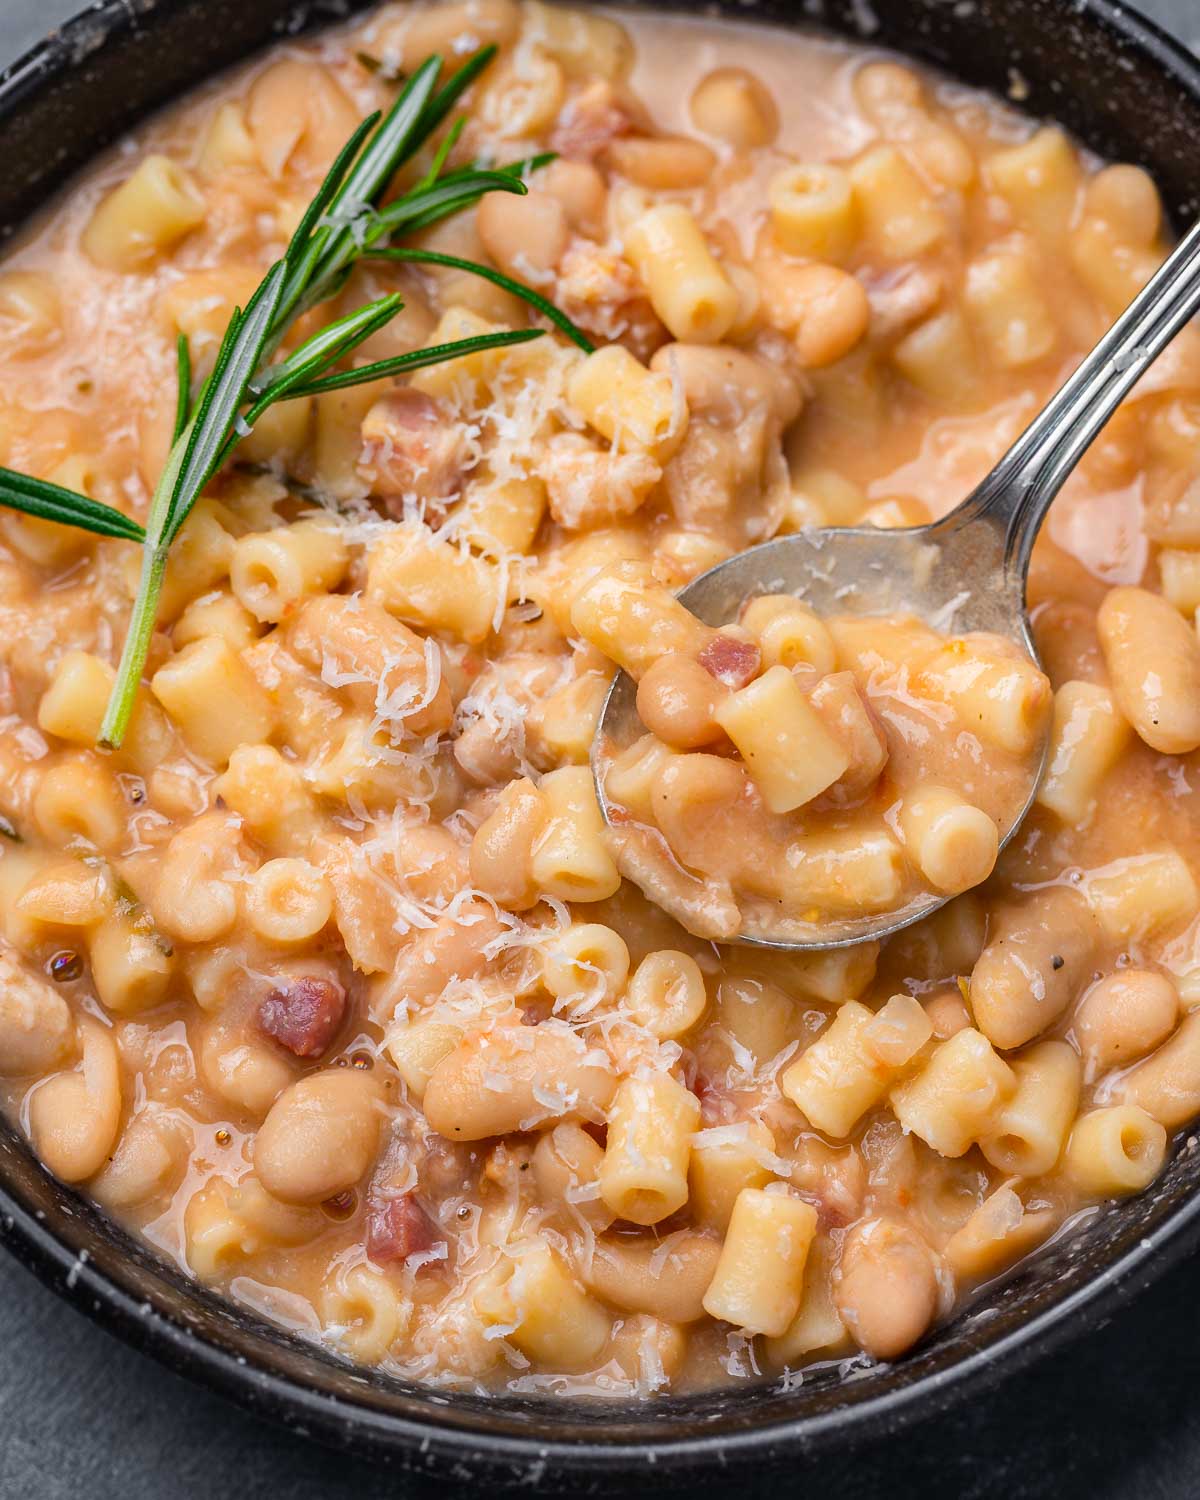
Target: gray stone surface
{"points": [[84, 1418]]}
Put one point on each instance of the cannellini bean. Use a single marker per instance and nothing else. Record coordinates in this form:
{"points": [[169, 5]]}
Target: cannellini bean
{"points": [[947, 1012], [248, 1073], [196, 898], [508, 1079], [1153, 659], [454, 947], [365, 647], [149, 1159], [887, 1290], [726, 385], [582, 192], [501, 851], [36, 1029], [661, 162], [1167, 1084], [824, 308], [1037, 957], [74, 1117], [526, 237], [676, 699], [667, 1277], [319, 1137], [1123, 1016], [736, 107], [650, 1351], [460, 25]]}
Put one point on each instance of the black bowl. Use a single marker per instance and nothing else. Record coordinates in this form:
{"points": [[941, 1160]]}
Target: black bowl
{"points": [[1127, 91]]}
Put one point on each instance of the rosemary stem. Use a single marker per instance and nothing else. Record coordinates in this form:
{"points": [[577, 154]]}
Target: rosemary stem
{"points": [[135, 649], [145, 605]]}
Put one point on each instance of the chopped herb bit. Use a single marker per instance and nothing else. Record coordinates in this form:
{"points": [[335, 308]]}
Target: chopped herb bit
{"points": [[125, 897], [383, 71]]}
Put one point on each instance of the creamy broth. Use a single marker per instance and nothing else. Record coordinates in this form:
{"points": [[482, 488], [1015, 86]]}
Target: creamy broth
{"points": [[327, 982]]}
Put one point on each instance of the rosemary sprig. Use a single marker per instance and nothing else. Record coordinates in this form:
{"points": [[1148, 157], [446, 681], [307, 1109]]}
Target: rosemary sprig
{"points": [[345, 223]]}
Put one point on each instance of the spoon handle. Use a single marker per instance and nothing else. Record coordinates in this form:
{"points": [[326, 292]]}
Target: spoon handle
{"points": [[1016, 495]]}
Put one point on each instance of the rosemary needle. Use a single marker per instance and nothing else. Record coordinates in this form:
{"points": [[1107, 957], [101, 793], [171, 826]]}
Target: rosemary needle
{"points": [[545, 307]]}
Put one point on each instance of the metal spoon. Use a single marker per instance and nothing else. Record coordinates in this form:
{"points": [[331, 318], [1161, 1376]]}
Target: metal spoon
{"points": [[969, 567]]}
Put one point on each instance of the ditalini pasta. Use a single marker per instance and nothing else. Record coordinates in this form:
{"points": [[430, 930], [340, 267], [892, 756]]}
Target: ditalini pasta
{"points": [[333, 980]]}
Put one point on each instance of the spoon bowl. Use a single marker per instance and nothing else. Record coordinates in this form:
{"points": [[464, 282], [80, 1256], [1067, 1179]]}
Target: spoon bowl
{"points": [[965, 572], [950, 575]]}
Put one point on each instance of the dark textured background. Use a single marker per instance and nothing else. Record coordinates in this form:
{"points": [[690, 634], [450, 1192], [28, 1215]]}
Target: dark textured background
{"points": [[1114, 1417]]}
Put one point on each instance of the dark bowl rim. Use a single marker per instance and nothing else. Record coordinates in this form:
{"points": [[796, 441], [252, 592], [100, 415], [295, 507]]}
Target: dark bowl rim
{"points": [[426, 1443], [342, 1424]]}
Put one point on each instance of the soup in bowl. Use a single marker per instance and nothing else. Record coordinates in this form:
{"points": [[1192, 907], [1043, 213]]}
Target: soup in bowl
{"points": [[321, 971]]}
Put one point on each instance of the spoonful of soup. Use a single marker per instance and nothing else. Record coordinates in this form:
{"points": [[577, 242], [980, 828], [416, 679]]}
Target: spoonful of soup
{"points": [[824, 738]]}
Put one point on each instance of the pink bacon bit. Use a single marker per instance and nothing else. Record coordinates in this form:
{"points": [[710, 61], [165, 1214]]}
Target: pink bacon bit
{"points": [[410, 447], [717, 1104], [398, 1228], [303, 1015], [829, 1215], [731, 661], [589, 122]]}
